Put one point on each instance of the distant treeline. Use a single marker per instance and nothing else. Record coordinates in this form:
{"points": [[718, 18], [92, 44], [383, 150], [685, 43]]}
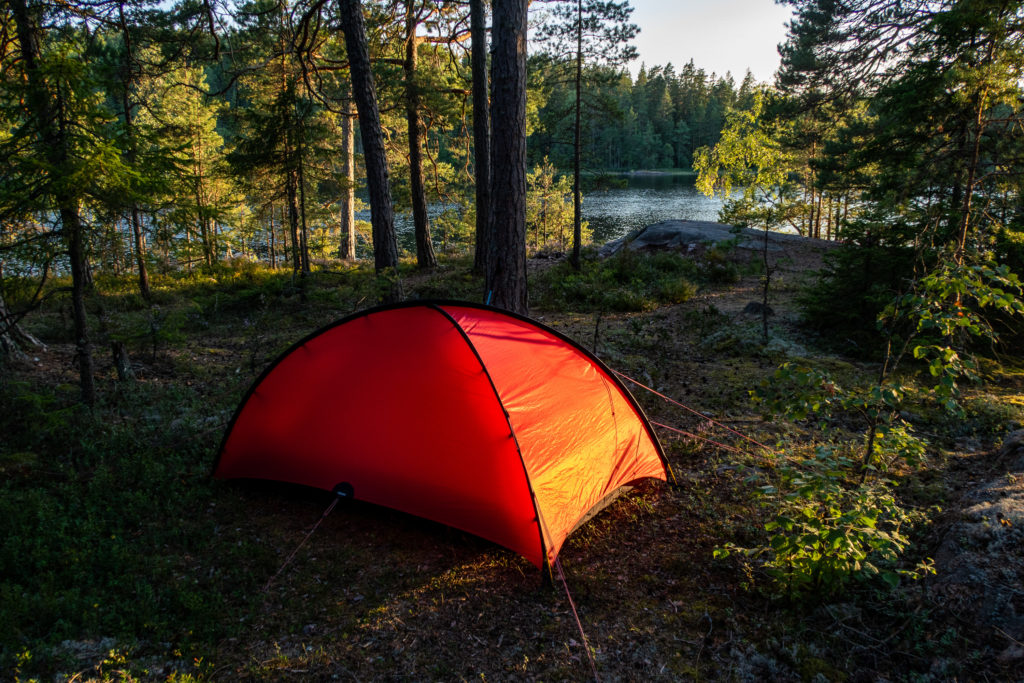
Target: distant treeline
{"points": [[657, 120]]}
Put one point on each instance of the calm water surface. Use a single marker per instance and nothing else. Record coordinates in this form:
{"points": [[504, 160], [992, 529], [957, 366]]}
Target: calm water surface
{"points": [[646, 199], [612, 213]]}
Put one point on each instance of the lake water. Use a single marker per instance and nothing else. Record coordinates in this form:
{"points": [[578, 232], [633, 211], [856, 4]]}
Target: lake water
{"points": [[612, 213], [646, 199]]}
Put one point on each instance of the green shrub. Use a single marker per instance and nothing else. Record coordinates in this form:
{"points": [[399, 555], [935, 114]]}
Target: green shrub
{"points": [[855, 284], [628, 281], [826, 531]]}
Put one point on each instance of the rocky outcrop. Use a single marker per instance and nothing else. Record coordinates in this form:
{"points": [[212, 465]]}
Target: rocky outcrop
{"points": [[692, 235], [980, 562]]}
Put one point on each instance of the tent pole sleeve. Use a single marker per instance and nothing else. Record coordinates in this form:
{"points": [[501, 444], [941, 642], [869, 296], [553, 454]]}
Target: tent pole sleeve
{"points": [[541, 527]]}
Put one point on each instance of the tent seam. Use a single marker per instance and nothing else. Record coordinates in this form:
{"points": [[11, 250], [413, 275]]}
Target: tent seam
{"points": [[541, 526]]}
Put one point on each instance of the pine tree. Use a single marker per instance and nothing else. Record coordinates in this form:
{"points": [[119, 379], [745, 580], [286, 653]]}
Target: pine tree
{"points": [[59, 162], [506, 264], [587, 32]]}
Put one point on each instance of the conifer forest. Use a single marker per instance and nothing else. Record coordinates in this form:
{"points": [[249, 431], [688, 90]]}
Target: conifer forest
{"points": [[193, 192]]}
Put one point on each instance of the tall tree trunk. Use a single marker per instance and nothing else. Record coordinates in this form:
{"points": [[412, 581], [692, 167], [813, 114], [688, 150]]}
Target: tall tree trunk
{"points": [[481, 131], [48, 112], [273, 246], [304, 241], [140, 254], [506, 266], [132, 155], [293, 218], [348, 193], [425, 257], [284, 235], [382, 213], [972, 169], [817, 216], [127, 81], [577, 195], [75, 239]]}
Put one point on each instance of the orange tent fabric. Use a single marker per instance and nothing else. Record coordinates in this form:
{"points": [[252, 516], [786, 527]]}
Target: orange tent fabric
{"points": [[463, 414]]}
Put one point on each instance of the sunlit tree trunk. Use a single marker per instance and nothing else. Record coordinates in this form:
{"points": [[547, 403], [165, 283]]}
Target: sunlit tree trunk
{"points": [[382, 213], [348, 193], [577, 152], [481, 132], [425, 257]]}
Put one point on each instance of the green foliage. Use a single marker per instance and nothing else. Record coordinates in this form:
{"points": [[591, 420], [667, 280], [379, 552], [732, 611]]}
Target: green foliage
{"points": [[945, 311], [826, 531], [654, 121], [628, 281], [865, 279], [799, 392], [549, 210]]}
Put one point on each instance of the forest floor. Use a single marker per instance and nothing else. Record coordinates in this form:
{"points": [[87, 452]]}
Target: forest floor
{"points": [[123, 560]]}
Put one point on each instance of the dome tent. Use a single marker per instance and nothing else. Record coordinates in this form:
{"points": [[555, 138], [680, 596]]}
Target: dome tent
{"points": [[460, 413]]}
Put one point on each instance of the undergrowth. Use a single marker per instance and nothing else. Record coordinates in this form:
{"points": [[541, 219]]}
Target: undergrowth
{"points": [[627, 281], [104, 512]]}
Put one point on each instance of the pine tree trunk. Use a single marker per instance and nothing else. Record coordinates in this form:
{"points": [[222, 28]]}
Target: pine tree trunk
{"points": [[132, 154], [577, 195], [382, 214], [425, 257], [348, 194], [293, 219], [506, 267], [272, 240], [55, 146], [481, 132], [140, 254], [304, 241], [75, 239], [972, 169]]}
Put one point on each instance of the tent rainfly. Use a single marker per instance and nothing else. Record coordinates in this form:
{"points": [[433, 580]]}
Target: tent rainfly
{"points": [[463, 414]]}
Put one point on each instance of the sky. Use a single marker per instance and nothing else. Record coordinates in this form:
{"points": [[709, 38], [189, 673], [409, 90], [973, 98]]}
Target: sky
{"points": [[719, 35]]}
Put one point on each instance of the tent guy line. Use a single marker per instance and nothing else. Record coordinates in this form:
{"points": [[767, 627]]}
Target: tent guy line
{"points": [[584, 642], [731, 449], [695, 412], [316, 526]]}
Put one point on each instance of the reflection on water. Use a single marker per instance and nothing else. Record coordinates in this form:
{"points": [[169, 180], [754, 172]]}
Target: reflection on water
{"points": [[612, 213], [645, 200]]}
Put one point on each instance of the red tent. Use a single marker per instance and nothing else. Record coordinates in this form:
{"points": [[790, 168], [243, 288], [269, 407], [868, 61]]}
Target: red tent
{"points": [[463, 414]]}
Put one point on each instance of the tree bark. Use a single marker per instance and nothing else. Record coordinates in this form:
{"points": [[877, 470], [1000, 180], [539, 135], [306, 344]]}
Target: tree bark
{"points": [[271, 240], [291, 184], [300, 178], [481, 132], [127, 80], [55, 147], [506, 267], [382, 214], [425, 257], [348, 193], [577, 153]]}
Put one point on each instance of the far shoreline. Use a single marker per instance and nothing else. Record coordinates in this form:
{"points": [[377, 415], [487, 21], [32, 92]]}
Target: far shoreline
{"points": [[660, 172]]}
